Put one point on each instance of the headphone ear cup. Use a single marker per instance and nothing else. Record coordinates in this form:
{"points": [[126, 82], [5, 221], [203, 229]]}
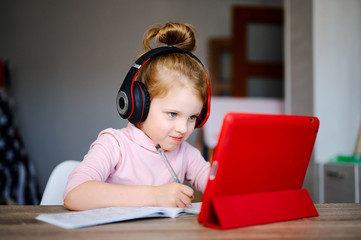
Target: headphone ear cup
{"points": [[141, 103], [206, 109], [202, 117]]}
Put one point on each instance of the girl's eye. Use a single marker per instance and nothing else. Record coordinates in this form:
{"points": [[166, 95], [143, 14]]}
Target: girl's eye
{"points": [[172, 114], [194, 117]]}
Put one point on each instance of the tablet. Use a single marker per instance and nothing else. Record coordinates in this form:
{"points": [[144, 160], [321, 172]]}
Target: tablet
{"points": [[258, 153]]}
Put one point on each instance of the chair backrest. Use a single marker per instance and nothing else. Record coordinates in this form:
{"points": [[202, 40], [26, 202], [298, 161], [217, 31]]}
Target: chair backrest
{"points": [[53, 193]]}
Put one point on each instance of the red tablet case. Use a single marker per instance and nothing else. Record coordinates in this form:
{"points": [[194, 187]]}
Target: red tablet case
{"points": [[258, 169]]}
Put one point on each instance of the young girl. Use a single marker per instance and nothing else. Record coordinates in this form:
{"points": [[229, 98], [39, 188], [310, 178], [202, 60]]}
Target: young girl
{"points": [[123, 167]]}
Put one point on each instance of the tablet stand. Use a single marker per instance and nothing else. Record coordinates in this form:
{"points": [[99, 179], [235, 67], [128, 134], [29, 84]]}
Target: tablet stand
{"points": [[227, 212]]}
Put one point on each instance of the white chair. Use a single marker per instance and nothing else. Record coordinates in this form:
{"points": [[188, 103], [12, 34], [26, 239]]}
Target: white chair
{"points": [[53, 193]]}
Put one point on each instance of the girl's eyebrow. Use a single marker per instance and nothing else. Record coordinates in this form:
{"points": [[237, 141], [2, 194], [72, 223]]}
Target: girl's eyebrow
{"points": [[170, 109]]}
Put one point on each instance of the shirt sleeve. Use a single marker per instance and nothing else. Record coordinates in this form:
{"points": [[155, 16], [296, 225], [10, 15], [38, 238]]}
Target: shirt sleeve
{"points": [[197, 168], [102, 158]]}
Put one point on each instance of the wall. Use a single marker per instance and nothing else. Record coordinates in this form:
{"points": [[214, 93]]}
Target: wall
{"points": [[337, 75], [299, 64], [69, 58], [323, 76]]}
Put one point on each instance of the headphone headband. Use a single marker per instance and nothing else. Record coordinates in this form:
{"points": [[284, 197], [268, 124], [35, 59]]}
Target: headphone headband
{"points": [[161, 51], [133, 98]]}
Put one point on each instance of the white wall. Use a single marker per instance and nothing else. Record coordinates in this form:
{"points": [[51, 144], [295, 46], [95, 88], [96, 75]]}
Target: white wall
{"points": [[69, 58], [337, 75]]}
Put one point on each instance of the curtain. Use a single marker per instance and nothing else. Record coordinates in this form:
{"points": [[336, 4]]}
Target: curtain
{"points": [[18, 183]]}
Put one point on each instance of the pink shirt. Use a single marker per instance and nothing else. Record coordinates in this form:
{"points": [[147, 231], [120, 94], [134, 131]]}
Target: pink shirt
{"points": [[129, 157]]}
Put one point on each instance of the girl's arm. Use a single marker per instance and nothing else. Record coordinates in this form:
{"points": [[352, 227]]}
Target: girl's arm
{"points": [[96, 194]]}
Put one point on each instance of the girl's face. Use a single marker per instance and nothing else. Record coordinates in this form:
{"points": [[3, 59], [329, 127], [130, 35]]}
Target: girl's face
{"points": [[172, 118]]}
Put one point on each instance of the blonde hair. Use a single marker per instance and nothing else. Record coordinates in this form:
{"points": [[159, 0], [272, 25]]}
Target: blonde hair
{"points": [[191, 73]]}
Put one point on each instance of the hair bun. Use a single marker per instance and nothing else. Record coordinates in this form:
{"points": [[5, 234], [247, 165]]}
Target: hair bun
{"points": [[176, 34]]}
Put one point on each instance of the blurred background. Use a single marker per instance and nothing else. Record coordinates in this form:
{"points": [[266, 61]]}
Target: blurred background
{"points": [[63, 62]]}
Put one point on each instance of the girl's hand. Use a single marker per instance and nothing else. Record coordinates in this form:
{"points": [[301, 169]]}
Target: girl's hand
{"points": [[172, 195]]}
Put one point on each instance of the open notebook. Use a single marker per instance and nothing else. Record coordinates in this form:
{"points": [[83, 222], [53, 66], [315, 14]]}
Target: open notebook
{"points": [[78, 219]]}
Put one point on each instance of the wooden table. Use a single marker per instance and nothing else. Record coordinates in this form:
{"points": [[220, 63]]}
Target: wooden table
{"points": [[336, 221]]}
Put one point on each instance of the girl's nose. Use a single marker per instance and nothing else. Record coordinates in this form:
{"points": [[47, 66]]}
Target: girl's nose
{"points": [[181, 126]]}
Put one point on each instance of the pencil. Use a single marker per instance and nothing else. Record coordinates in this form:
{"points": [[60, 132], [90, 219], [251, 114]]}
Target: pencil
{"points": [[165, 160]]}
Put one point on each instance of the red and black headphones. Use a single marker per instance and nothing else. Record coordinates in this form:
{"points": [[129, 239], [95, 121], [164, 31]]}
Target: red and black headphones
{"points": [[133, 98]]}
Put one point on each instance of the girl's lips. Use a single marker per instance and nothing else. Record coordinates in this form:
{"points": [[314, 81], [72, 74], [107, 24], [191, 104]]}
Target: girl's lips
{"points": [[177, 139]]}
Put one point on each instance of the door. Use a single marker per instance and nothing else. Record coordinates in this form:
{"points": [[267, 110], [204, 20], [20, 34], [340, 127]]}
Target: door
{"points": [[257, 52]]}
